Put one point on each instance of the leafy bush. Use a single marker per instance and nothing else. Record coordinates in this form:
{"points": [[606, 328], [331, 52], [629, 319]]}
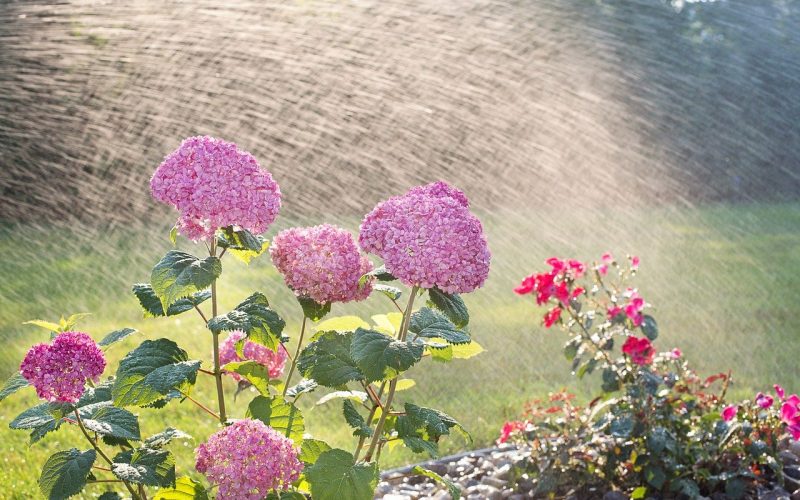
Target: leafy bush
{"points": [[429, 241], [655, 427]]}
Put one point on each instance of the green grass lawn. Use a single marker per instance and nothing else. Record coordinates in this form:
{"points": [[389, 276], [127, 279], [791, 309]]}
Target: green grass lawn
{"points": [[724, 281]]}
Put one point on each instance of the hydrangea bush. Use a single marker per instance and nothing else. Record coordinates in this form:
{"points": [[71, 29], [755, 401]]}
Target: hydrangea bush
{"points": [[655, 429], [428, 240]]}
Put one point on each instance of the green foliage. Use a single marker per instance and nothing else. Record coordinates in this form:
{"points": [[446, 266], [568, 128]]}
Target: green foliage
{"points": [[185, 488], [116, 336], [380, 357], [335, 476], [355, 420], [255, 373], [650, 327], [311, 449], [328, 361], [152, 307], [452, 305], [254, 317], [452, 488], [151, 371], [312, 309], [180, 274], [302, 387], [279, 414], [379, 273], [428, 323], [63, 325], [151, 467], [107, 420], [65, 473], [392, 292], [241, 243], [164, 438], [12, 385]]}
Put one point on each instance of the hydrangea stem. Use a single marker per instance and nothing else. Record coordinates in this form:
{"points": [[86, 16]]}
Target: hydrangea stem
{"points": [[376, 437], [296, 354], [100, 452], [215, 335]]}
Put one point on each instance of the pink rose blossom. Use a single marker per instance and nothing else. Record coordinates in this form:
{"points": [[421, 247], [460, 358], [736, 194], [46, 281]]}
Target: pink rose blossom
{"points": [[428, 237], [634, 262], [634, 308], [272, 360], [213, 184], [675, 354], [729, 413], [640, 350], [552, 316], [321, 262], [59, 370], [510, 428], [247, 460], [779, 391], [764, 400]]}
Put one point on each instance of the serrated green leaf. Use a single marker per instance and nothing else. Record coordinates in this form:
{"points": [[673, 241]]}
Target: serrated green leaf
{"points": [[53, 327], [455, 491], [282, 416], [12, 385], [164, 438], [40, 419], [451, 304], [241, 243], [254, 372], [185, 488], [355, 420], [302, 387], [387, 323], [392, 292], [379, 273], [341, 324], [380, 357], [149, 372], [116, 336], [311, 449], [314, 310], [359, 396], [254, 317], [145, 466], [428, 323], [327, 360], [179, 274], [151, 304], [111, 421], [419, 445], [65, 472], [639, 493], [435, 423], [70, 322], [335, 476]]}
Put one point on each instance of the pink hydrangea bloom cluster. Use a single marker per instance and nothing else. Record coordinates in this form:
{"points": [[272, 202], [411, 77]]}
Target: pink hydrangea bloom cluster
{"points": [[428, 237], [321, 262], [274, 361], [213, 184], [247, 460], [59, 370]]}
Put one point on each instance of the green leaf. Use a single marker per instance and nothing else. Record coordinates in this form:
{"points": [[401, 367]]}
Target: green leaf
{"points": [[173, 235], [185, 488], [282, 416], [312, 309], [571, 348], [655, 476], [622, 426], [255, 373], [392, 292], [12, 385], [466, 351], [116, 336], [241, 243], [145, 466], [639, 493], [650, 327], [311, 449], [302, 387], [611, 381], [405, 384], [40, 419], [149, 372], [164, 438], [151, 304], [286, 495], [355, 420], [428, 323], [53, 327], [254, 317], [455, 491], [586, 368], [379, 273], [180, 274], [352, 395], [65, 472], [109, 420], [452, 305], [380, 357], [341, 324], [419, 445], [335, 476], [327, 360], [435, 423], [110, 495]]}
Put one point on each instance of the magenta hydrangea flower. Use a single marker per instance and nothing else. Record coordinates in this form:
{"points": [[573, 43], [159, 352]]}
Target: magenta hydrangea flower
{"points": [[59, 370], [321, 262], [428, 237], [273, 361], [213, 184], [247, 460]]}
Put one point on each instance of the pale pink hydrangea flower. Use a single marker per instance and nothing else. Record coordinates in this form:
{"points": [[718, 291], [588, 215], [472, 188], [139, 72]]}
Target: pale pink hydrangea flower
{"points": [[273, 361], [59, 370], [247, 460], [213, 184], [428, 237], [322, 263]]}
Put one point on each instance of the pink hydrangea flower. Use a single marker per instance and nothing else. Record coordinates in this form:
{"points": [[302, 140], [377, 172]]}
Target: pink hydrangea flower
{"points": [[729, 413], [764, 400], [640, 350], [273, 361], [59, 370], [428, 237], [247, 460], [321, 262], [213, 184]]}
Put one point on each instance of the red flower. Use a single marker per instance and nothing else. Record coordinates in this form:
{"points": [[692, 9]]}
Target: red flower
{"points": [[509, 428], [729, 413], [552, 316], [527, 285], [640, 350]]}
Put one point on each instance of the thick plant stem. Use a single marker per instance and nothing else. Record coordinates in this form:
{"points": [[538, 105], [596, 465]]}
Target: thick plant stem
{"points": [[215, 335], [100, 452], [296, 355], [376, 437]]}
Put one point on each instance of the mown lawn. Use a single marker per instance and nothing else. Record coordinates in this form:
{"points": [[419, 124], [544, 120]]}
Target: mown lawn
{"points": [[724, 281]]}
